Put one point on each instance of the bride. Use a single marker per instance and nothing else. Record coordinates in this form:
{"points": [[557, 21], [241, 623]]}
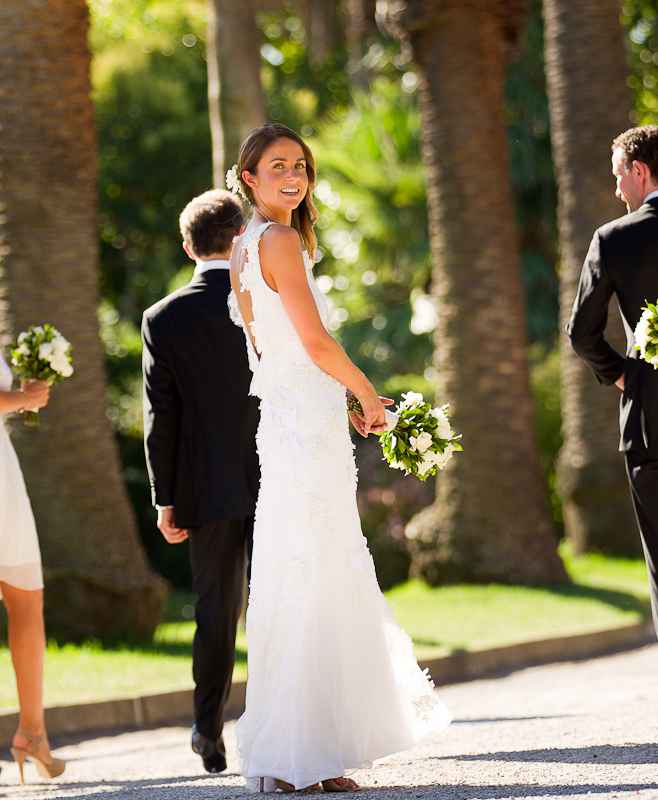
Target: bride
{"points": [[333, 682]]}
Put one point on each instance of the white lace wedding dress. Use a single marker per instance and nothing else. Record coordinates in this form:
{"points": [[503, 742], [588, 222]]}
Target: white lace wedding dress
{"points": [[333, 682], [20, 559]]}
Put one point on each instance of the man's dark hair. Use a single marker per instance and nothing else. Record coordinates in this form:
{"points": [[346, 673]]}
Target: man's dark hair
{"points": [[640, 144], [209, 222]]}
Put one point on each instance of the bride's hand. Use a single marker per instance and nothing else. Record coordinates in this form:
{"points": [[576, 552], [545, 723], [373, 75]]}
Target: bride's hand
{"points": [[359, 423], [374, 419]]}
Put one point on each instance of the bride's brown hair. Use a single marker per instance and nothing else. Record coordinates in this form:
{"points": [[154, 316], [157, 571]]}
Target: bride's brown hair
{"points": [[251, 151]]}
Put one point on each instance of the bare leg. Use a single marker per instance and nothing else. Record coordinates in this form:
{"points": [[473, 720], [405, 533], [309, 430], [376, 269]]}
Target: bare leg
{"points": [[27, 641]]}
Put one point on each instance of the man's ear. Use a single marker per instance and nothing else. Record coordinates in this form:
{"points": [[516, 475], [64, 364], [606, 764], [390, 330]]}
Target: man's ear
{"points": [[188, 251]]}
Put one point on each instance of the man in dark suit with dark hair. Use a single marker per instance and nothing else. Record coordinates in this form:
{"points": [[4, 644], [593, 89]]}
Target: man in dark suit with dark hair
{"points": [[199, 434], [623, 260]]}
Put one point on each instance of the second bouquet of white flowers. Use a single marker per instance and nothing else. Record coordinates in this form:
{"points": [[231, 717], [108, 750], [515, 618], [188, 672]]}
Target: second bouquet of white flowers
{"points": [[422, 441], [41, 353], [646, 335]]}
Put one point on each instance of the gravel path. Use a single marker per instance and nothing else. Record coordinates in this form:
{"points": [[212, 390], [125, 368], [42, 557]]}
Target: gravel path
{"points": [[576, 730]]}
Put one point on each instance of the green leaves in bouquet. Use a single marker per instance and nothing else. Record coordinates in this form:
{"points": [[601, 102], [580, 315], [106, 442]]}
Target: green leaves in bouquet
{"points": [[397, 446]]}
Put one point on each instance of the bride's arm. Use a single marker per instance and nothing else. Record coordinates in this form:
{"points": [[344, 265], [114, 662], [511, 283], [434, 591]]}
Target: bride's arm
{"points": [[11, 401], [281, 261]]}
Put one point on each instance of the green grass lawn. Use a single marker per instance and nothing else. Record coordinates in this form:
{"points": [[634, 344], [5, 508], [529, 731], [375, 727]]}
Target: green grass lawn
{"points": [[605, 593]]}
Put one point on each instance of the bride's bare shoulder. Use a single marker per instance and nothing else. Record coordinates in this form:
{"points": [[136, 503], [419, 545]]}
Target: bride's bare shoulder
{"points": [[279, 235], [280, 239]]}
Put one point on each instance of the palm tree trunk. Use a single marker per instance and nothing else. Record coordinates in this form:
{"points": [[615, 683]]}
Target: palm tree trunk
{"points": [[490, 521], [235, 94], [323, 28], [360, 31], [97, 579], [589, 105]]}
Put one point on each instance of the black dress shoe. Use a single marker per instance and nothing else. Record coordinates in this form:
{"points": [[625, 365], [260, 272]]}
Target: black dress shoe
{"points": [[214, 761], [214, 764]]}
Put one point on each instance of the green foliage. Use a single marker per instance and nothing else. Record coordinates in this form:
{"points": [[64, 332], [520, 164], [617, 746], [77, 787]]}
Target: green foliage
{"points": [[373, 230], [299, 92], [545, 382], [154, 141], [640, 18]]}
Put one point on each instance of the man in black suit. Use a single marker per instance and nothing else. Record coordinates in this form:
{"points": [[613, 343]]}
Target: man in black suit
{"points": [[623, 260], [199, 434]]}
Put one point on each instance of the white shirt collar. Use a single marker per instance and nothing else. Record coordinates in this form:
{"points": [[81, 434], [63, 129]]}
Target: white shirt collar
{"points": [[212, 263], [651, 195]]}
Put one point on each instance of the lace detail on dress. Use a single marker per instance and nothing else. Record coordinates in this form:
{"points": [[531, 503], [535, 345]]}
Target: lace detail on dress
{"points": [[236, 319]]}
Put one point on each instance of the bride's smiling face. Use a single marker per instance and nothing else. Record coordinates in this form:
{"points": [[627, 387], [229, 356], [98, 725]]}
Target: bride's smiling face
{"points": [[280, 181]]}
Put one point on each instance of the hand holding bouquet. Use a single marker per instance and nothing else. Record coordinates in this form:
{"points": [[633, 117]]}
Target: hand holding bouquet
{"points": [[646, 335], [41, 354], [422, 440]]}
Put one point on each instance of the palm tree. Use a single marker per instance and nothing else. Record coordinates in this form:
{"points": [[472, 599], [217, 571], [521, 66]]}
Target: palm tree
{"points": [[235, 93], [589, 104], [490, 520], [322, 22], [360, 31], [97, 579]]}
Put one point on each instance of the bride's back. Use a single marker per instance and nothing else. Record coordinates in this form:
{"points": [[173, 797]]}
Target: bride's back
{"points": [[270, 331]]}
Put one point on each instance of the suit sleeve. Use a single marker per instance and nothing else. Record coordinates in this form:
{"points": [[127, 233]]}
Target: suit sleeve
{"points": [[586, 328], [161, 418]]}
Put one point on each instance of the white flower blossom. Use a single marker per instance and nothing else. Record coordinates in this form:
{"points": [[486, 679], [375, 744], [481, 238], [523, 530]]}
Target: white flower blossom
{"points": [[421, 443], [411, 399], [64, 368], [233, 182], [646, 336], [60, 345], [46, 351], [425, 466]]}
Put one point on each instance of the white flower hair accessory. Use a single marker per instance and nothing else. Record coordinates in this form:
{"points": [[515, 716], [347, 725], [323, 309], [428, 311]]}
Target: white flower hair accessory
{"points": [[233, 182]]}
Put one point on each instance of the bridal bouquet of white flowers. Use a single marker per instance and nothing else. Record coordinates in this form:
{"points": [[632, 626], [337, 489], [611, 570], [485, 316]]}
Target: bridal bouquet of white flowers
{"points": [[646, 334], [422, 441], [41, 353]]}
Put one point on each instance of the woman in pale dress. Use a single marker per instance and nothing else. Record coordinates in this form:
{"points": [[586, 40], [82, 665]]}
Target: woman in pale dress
{"points": [[21, 584], [333, 681]]}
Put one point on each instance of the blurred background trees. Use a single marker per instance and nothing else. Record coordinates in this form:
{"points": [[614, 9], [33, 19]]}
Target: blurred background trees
{"points": [[354, 91]]}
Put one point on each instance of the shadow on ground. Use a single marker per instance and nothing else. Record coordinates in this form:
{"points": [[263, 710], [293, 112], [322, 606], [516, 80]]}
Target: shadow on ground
{"points": [[594, 754]]}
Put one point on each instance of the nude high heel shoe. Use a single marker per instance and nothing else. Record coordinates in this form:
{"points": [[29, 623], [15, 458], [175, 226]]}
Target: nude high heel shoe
{"points": [[47, 769]]}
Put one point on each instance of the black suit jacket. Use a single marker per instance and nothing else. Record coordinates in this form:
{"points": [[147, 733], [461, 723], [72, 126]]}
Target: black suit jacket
{"points": [[622, 260], [199, 421]]}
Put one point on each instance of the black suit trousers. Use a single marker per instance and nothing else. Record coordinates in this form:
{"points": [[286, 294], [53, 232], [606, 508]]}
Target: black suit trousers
{"points": [[219, 553], [643, 478]]}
